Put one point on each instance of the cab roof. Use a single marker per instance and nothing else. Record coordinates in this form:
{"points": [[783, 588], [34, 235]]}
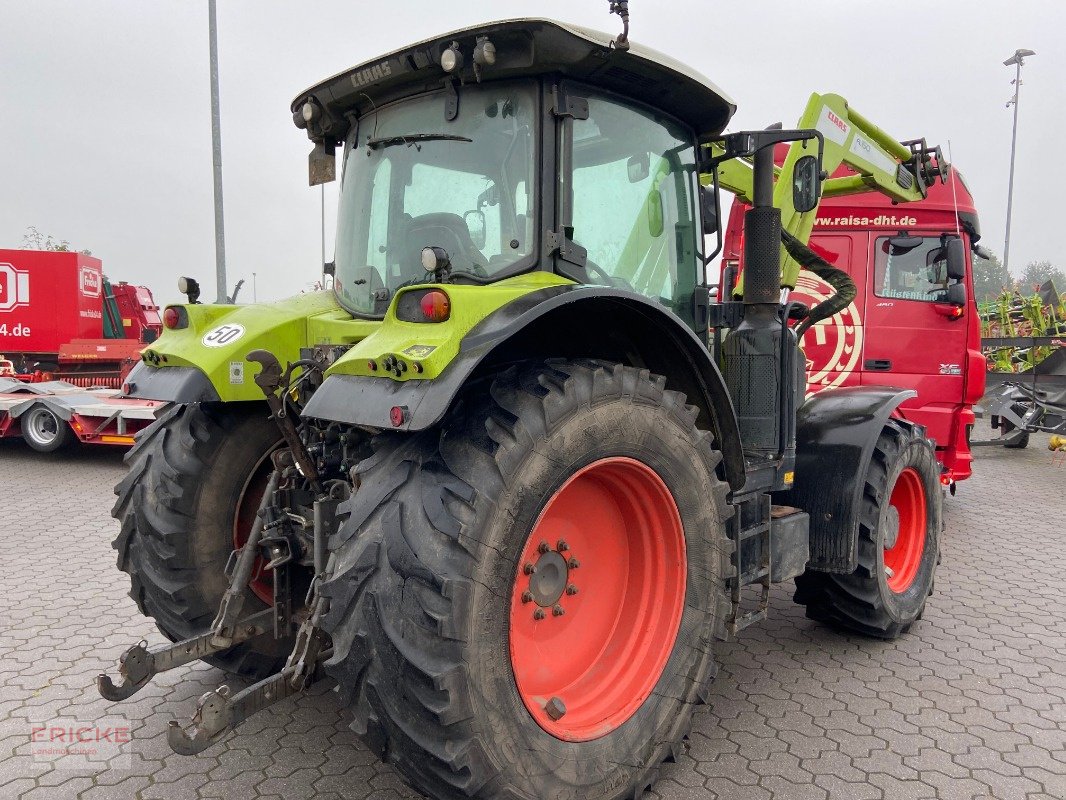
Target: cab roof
{"points": [[524, 47]]}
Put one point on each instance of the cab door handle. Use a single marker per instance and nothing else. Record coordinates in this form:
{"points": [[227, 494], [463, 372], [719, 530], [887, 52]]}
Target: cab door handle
{"points": [[878, 365]]}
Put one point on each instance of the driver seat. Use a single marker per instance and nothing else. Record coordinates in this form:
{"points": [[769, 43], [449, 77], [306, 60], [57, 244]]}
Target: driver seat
{"points": [[442, 229]]}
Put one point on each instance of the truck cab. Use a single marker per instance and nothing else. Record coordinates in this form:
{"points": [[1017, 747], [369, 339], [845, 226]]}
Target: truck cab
{"points": [[900, 330]]}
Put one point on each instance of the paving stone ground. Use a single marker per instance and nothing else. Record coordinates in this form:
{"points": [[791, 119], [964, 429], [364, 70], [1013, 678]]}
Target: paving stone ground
{"points": [[972, 704]]}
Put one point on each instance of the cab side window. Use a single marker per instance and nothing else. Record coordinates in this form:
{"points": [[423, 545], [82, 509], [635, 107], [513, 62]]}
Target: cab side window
{"points": [[911, 268]]}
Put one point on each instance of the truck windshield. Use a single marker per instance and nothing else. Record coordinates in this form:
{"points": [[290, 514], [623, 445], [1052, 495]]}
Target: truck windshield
{"points": [[412, 179]]}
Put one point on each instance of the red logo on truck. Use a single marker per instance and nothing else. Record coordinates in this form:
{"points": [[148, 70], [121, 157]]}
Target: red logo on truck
{"points": [[14, 287], [90, 282]]}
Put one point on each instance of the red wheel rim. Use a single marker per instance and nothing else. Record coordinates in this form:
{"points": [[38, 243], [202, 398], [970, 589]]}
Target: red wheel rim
{"points": [[903, 559], [262, 582], [611, 545]]}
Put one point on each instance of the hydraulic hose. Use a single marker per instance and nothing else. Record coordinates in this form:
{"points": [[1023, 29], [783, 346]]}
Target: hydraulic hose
{"points": [[844, 287]]}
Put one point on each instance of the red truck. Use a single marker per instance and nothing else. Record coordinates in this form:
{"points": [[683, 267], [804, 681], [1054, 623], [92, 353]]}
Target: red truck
{"points": [[899, 331], [61, 318], [68, 338]]}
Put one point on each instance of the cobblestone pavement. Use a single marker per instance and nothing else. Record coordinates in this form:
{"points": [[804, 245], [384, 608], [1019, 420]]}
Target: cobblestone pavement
{"points": [[972, 704]]}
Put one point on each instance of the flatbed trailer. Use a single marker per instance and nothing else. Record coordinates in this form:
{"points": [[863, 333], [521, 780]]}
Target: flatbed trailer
{"points": [[53, 414]]}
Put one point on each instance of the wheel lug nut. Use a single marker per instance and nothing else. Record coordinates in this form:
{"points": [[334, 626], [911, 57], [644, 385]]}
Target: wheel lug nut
{"points": [[527, 597], [573, 563], [538, 614], [571, 589], [543, 547], [529, 569], [562, 547], [558, 611], [555, 709]]}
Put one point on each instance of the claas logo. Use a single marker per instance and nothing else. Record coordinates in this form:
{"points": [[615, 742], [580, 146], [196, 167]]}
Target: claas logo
{"points": [[14, 287], [90, 282]]}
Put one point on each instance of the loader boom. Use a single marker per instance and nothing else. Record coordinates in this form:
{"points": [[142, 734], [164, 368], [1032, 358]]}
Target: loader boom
{"points": [[902, 171]]}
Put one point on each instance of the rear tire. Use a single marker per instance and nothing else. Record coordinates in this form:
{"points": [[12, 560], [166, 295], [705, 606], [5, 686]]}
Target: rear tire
{"points": [[187, 475], [901, 505], [44, 431], [429, 580]]}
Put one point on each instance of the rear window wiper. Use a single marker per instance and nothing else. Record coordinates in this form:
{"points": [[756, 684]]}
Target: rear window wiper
{"points": [[410, 139]]}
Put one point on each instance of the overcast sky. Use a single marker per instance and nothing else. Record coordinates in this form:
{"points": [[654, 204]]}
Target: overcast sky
{"points": [[106, 138]]}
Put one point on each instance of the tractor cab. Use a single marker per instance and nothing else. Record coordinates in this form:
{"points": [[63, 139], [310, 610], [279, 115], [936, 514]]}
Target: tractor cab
{"points": [[514, 147]]}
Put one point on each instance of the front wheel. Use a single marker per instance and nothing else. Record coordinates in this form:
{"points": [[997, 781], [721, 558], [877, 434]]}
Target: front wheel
{"points": [[525, 599], [899, 528], [44, 431]]}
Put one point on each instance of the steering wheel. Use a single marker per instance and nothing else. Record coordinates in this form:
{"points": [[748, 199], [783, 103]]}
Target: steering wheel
{"points": [[608, 279]]}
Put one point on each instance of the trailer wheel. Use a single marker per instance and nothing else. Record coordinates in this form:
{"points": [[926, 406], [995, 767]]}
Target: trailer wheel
{"points": [[44, 431], [192, 477], [899, 527], [525, 599]]}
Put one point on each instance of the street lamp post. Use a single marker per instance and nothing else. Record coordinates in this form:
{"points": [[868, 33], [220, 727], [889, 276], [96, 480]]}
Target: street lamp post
{"points": [[216, 157], [1016, 61], [255, 295]]}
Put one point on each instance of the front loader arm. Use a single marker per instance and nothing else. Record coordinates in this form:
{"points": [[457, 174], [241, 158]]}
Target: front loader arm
{"points": [[902, 171]]}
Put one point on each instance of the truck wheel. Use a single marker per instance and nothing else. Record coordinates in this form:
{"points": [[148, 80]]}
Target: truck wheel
{"points": [[524, 599], [899, 527], [44, 431], [196, 476]]}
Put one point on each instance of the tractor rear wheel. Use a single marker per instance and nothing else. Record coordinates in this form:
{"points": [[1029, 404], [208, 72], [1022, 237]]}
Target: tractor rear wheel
{"points": [[525, 599], [899, 527], [196, 476]]}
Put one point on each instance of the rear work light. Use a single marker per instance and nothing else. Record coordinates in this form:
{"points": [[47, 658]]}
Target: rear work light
{"points": [[424, 305], [175, 317]]}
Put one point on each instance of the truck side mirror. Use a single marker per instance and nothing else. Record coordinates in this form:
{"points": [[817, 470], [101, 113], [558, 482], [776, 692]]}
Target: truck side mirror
{"points": [[710, 211], [956, 257], [806, 184], [957, 294]]}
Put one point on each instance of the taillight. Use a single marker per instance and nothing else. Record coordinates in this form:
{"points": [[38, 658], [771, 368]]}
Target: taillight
{"points": [[175, 317], [435, 306], [423, 305]]}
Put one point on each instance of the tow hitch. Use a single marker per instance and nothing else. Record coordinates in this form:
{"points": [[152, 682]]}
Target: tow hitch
{"points": [[219, 710]]}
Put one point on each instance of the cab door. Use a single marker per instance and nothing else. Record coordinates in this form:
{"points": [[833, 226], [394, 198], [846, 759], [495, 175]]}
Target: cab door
{"points": [[914, 338], [833, 347]]}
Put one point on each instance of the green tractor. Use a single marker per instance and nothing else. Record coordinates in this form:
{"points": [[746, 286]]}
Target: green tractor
{"points": [[509, 482]]}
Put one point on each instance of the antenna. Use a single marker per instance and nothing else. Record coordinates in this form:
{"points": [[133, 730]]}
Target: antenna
{"points": [[621, 8]]}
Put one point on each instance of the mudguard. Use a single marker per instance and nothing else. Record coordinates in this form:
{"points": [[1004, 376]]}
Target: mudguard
{"points": [[836, 431], [537, 325], [176, 384]]}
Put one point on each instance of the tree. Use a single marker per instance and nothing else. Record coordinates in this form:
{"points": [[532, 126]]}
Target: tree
{"points": [[33, 239], [1038, 272], [990, 278]]}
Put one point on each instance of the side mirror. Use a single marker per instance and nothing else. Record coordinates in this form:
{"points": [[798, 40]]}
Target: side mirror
{"points": [[982, 252], [638, 167], [806, 184], [709, 207], [656, 216], [475, 224], [957, 294], [956, 257]]}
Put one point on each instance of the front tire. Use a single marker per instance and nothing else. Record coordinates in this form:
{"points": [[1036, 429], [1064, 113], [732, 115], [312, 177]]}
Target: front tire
{"points": [[192, 478], [899, 528], [438, 643]]}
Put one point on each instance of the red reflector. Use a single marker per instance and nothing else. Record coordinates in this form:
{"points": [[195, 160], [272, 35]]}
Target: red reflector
{"points": [[398, 415], [436, 306], [171, 317]]}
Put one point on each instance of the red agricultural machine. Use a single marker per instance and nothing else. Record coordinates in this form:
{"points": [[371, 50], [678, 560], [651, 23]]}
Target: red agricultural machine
{"points": [[68, 338]]}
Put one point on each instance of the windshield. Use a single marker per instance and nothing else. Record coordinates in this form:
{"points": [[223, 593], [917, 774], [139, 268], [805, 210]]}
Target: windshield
{"points": [[412, 179]]}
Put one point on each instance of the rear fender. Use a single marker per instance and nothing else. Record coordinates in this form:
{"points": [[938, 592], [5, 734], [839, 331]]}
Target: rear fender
{"points": [[836, 431], [565, 321]]}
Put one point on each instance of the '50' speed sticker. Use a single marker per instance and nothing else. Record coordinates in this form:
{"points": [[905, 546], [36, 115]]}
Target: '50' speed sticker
{"points": [[223, 335]]}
